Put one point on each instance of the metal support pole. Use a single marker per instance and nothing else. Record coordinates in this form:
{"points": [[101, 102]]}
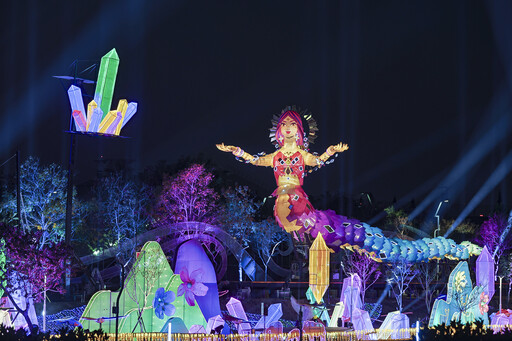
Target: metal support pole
{"points": [[18, 189], [118, 300], [501, 282], [69, 198], [44, 307], [69, 207]]}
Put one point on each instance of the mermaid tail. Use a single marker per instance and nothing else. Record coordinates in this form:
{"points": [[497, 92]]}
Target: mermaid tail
{"points": [[342, 232]]}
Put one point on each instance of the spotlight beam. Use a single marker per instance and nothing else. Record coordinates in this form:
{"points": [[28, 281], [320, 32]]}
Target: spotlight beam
{"points": [[423, 188], [502, 238], [408, 154], [490, 139], [496, 177], [499, 13]]}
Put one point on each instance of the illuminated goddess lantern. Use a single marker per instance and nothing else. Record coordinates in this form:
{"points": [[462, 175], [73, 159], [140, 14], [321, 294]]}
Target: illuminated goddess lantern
{"points": [[291, 162]]}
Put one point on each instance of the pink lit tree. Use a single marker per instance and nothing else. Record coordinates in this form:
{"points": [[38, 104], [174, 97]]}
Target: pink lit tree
{"points": [[29, 270], [365, 267], [188, 197], [494, 233]]}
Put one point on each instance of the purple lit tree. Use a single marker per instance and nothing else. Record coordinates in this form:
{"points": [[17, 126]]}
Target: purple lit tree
{"points": [[365, 267], [30, 270], [494, 233], [188, 197]]}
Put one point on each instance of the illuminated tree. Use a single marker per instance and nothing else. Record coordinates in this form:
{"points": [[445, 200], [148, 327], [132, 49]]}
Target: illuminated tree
{"points": [[427, 272], [188, 197], [397, 219], [507, 273], [267, 239], [30, 270], [465, 226], [43, 201], [399, 277], [365, 267], [238, 217], [238, 214], [494, 233], [121, 208]]}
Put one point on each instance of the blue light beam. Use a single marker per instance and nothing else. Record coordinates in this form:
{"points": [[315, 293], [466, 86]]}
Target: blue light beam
{"points": [[418, 191], [499, 174], [490, 139]]}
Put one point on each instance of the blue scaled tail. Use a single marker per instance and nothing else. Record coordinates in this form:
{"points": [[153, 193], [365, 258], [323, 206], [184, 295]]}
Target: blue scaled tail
{"points": [[341, 232]]}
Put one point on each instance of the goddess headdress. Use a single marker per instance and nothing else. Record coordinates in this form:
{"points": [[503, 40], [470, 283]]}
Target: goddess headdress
{"points": [[299, 115]]}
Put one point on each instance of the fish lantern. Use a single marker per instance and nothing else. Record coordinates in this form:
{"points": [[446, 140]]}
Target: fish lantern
{"points": [[319, 261]]}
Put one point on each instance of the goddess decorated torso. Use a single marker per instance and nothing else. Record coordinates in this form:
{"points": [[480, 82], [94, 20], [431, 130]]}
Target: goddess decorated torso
{"points": [[289, 169]]}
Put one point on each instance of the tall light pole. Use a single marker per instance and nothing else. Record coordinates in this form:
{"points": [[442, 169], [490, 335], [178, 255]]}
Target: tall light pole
{"points": [[438, 228], [501, 282], [437, 216]]}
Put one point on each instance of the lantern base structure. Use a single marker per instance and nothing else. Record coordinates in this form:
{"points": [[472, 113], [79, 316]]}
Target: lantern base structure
{"points": [[150, 271], [464, 303]]}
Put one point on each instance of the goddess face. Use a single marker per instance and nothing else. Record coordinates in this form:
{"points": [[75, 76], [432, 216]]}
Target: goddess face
{"points": [[289, 128]]}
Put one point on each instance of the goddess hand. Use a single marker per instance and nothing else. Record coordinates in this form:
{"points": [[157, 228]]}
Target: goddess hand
{"points": [[339, 148], [225, 148]]}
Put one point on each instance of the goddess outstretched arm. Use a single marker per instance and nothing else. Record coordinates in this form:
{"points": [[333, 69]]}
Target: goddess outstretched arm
{"points": [[265, 161], [314, 160]]}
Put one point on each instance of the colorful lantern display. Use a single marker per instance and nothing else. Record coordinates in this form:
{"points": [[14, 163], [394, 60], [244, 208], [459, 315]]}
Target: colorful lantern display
{"points": [[319, 261], [485, 272], [106, 81], [236, 309], [275, 312], [80, 120], [100, 119], [463, 304], [149, 283], [292, 161]]}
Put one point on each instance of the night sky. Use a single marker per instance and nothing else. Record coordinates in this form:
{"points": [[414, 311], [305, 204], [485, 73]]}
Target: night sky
{"points": [[420, 90]]}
